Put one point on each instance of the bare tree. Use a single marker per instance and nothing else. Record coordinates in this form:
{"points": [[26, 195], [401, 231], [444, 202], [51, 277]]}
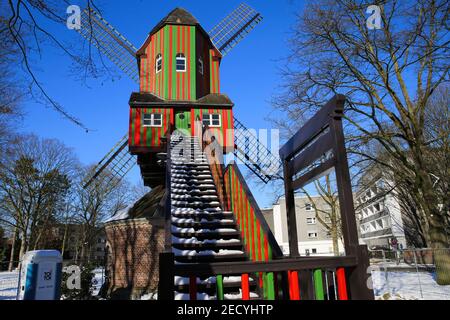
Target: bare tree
{"points": [[93, 205], [389, 76], [29, 25], [328, 216], [33, 182]]}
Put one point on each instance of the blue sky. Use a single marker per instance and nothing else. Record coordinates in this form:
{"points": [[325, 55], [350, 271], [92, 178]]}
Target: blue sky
{"points": [[249, 75]]}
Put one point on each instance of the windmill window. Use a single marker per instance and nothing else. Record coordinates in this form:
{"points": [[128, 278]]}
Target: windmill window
{"points": [[312, 235], [200, 65], [212, 120], [311, 220], [152, 120], [158, 64], [181, 62]]}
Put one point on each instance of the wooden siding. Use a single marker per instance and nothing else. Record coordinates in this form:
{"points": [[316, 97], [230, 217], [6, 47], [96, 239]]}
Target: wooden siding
{"points": [[255, 239], [140, 136], [214, 61], [170, 84], [224, 136], [203, 47]]}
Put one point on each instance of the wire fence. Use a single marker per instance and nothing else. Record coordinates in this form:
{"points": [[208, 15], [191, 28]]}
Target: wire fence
{"points": [[92, 273], [403, 274], [411, 274]]}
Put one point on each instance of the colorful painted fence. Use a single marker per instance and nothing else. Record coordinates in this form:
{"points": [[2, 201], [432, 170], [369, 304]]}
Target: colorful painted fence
{"points": [[259, 241]]}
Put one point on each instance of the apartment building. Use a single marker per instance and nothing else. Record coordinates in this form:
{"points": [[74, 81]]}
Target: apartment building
{"points": [[313, 236], [379, 215]]}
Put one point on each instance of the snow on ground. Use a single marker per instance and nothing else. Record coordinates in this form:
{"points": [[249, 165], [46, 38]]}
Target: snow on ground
{"points": [[407, 285], [387, 285], [9, 282]]}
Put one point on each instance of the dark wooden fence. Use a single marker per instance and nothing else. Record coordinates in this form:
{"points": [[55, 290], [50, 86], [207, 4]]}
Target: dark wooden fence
{"points": [[293, 277], [312, 152]]}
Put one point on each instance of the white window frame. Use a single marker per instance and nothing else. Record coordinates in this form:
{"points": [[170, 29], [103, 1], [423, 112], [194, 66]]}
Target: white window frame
{"points": [[313, 219], [152, 120], [158, 63], [311, 232], [310, 207], [200, 65], [210, 120], [180, 57]]}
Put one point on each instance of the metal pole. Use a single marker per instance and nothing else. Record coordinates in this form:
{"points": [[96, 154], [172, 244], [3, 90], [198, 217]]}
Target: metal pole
{"points": [[386, 274], [418, 275]]}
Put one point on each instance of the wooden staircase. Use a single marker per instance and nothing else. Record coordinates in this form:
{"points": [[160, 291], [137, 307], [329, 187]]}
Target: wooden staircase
{"points": [[202, 232]]}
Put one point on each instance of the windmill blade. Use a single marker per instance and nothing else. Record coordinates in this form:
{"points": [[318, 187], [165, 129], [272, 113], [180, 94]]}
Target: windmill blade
{"points": [[109, 42], [234, 27], [113, 167], [255, 155]]}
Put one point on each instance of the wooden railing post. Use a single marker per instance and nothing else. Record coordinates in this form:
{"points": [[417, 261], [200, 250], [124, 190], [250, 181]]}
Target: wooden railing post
{"points": [[358, 276], [290, 210], [166, 287]]}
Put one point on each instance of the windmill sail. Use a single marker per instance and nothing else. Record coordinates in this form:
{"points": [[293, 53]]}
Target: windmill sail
{"points": [[109, 42], [254, 154], [113, 167], [234, 27]]}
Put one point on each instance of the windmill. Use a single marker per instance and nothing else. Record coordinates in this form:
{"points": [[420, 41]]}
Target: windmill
{"points": [[222, 39]]}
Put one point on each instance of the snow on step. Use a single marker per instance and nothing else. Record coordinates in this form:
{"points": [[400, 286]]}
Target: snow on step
{"points": [[191, 253], [238, 296], [200, 296], [192, 230], [194, 240]]}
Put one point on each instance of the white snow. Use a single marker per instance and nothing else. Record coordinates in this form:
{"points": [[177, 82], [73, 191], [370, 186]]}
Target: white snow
{"points": [[9, 281], [395, 285], [120, 215]]}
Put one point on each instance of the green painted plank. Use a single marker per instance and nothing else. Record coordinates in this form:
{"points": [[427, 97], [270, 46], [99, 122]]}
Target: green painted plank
{"points": [[219, 287], [270, 284], [318, 284]]}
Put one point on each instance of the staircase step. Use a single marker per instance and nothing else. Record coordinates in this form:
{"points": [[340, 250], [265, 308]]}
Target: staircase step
{"points": [[218, 215], [205, 224], [208, 246], [208, 235], [211, 259]]}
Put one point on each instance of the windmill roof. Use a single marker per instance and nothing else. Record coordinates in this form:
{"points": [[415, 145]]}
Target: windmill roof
{"points": [[146, 98], [177, 16]]}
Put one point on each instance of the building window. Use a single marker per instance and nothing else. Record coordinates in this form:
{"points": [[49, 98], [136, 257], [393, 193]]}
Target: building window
{"points": [[312, 234], [152, 120], [308, 206], [181, 62], [311, 220], [200, 65], [313, 250], [158, 64], [212, 120]]}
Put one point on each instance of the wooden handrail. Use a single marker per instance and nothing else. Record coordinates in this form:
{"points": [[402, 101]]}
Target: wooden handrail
{"points": [[276, 250], [279, 265], [167, 195]]}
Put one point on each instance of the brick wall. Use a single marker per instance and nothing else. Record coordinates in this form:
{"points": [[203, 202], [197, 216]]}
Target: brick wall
{"points": [[133, 255]]}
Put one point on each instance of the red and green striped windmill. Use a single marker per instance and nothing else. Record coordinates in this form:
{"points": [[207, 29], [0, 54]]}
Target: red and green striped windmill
{"points": [[179, 82]]}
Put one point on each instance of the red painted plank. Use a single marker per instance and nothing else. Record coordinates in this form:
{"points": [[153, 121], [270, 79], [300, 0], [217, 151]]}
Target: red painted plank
{"points": [[341, 284], [245, 287], [294, 289], [169, 93], [193, 287]]}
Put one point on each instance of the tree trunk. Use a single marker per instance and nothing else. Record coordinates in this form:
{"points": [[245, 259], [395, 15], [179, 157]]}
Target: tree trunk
{"points": [[23, 245], [437, 234], [439, 243], [63, 247], [13, 250]]}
